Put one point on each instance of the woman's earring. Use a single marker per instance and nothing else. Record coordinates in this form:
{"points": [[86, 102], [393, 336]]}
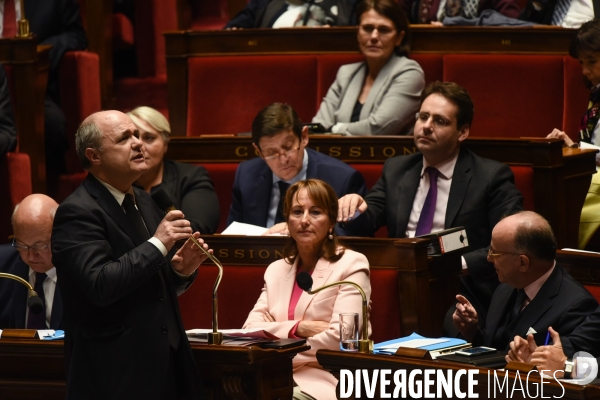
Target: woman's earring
{"points": [[330, 237]]}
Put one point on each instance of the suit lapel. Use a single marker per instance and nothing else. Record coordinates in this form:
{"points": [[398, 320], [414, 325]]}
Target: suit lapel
{"points": [[460, 183], [380, 83], [261, 197], [285, 286], [497, 312], [407, 191], [312, 170], [57, 310], [320, 276], [352, 92], [540, 305], [110, 206], [146, 209]]}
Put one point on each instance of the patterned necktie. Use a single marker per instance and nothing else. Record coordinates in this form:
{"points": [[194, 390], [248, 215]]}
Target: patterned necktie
{"points": [[427, 213], [38, 321], [135, 218], [9, 19], [560, 10], [519, 301], [590, 118], [283, 187]]}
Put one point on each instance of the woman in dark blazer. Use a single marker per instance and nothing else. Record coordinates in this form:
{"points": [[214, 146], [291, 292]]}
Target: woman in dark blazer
{"points": [[188, 186], [381, 95]]}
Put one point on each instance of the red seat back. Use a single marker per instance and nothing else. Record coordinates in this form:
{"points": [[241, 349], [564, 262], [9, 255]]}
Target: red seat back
{"points": [[524, 182], [15, 183], [576, 97], [222, 176], [226, 93], [503, 108]]}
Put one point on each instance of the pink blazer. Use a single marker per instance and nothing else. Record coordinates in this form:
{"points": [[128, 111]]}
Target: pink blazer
{"points": [[323, 306]]}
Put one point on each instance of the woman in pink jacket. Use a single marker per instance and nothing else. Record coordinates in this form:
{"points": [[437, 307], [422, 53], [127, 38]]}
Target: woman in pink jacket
{"points": [[286, 311]]}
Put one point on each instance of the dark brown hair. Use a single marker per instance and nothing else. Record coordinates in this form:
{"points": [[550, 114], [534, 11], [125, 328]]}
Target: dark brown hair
{"points": [[587, 39], [392, 11], [325, 198], [274, 119], [457, 95]]}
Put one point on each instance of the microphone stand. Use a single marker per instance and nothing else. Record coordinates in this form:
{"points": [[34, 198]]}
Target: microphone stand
{"points": [[365, 345], [32, 292], [23, 333], [214, 337]]}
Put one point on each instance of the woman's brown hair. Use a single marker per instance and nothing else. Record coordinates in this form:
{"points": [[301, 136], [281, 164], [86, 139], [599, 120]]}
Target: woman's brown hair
{"points": [[325, 198]]}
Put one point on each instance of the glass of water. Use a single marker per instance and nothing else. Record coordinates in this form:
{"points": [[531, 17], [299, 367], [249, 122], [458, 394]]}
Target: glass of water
{"points": [[349, 331]]}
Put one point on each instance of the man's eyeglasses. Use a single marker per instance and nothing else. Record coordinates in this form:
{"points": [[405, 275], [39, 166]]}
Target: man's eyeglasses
{"points": [[438, 120], [493, 254], [38, 248], [286, 154]]}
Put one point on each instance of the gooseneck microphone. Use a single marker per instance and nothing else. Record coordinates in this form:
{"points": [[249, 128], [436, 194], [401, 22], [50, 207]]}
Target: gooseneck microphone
{"points": [[34, 302], [164, 202], [305, 282]]}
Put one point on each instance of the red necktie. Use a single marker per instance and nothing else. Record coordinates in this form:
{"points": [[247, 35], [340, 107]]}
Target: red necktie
{"points": [[10, 19]]}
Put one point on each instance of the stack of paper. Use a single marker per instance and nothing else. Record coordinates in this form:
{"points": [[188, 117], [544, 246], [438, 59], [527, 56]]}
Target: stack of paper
{"points": [[435, 347]]}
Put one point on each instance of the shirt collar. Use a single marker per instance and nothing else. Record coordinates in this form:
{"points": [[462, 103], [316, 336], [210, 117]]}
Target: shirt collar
{"points": [[446, 168], [117, 194], [301, 175], [50, 273], [534, 287]]}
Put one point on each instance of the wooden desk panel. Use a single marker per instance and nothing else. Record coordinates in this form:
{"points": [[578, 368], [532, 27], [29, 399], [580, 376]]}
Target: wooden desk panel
{"points": [[334, 361], [35, 369]]}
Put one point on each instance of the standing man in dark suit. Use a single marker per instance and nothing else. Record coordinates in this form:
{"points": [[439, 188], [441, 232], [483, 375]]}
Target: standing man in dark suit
{"points": [[279, 138], [29, 257], [124, 335], [467, 190], [535, 292]]}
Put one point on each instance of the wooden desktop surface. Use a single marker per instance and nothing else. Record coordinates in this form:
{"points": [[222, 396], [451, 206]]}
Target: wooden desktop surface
{"points": [[35, 369]]}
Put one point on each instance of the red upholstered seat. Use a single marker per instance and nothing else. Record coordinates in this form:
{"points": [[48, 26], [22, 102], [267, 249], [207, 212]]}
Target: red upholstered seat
{"points": [[122, 32], [576, 97], [514, 95], [241, 286], [327, 68], [432, 65], [594, 290], [385, 305], [222, 176], [371, 173], [238, 292], [226, 93], [524, 182], [15, 184]]}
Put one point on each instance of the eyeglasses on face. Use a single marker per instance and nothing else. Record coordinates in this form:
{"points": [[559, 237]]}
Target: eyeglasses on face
{"points": [[495, 254], [382, 30], [438, 120], [287, 154], [38, 248]]}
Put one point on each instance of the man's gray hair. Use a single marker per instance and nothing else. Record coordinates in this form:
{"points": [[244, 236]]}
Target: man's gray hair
{"points": [[88, 136]]}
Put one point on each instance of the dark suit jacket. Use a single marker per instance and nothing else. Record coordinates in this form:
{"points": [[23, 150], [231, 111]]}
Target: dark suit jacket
{"points": [[585, 338], [482, 192], [254, 181], [116, 315], [192, 192], [13, 295], [263, 13], [561, 303]]}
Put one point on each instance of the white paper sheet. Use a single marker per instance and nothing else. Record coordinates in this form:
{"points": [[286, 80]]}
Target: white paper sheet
{"points": [[238, 228]]}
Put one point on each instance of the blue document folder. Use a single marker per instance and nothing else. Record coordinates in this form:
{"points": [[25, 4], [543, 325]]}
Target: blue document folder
{"points": [[451, 342]]}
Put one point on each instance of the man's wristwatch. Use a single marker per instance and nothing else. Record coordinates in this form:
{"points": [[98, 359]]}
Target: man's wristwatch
{"points": [[568, 368]]}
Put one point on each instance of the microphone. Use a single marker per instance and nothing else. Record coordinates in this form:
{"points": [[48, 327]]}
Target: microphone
{"points": [[305, 282], [34, 302], [163, 200]]}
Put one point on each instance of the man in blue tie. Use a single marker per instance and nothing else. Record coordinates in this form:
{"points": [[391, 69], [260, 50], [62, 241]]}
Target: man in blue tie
{"points": [[440, 187], [30, 258]]}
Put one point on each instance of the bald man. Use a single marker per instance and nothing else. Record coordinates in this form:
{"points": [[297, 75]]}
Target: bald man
{"points": [[30, 258], [111, 245], [534, 292]]}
